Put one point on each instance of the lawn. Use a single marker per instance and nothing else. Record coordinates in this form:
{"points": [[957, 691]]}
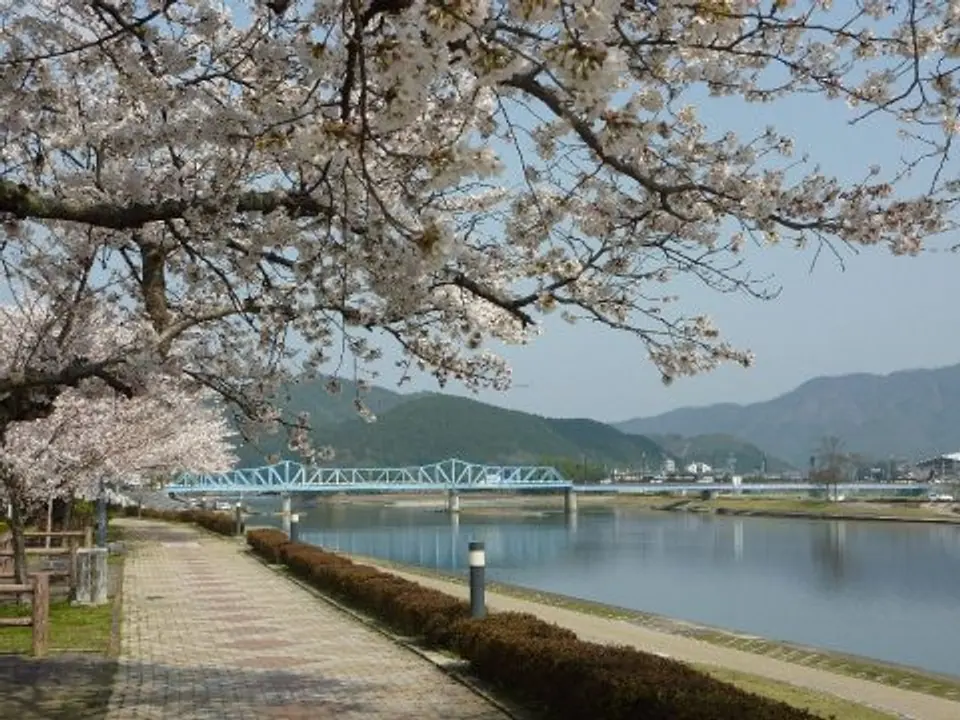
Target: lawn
{"points": [[820, 704], [72, 629]]}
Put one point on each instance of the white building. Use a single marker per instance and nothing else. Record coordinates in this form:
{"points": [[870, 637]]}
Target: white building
{"points": [[940, 466]]}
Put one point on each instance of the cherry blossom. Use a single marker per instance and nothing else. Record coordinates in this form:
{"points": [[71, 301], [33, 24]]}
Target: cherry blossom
{"points": [[235, 178], [112, 424], [165, 430]]}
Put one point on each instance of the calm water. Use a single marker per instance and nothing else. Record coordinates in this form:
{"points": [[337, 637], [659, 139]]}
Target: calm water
{"points": [[888, 591]]}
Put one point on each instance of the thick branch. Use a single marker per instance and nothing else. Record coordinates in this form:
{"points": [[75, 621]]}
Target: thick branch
{"points": [[70, 376], [153, 285], [22, 202], [31, 395]]}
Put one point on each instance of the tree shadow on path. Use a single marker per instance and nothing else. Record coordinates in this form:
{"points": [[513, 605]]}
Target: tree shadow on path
{"points": [[63, 687], [89, 687]]}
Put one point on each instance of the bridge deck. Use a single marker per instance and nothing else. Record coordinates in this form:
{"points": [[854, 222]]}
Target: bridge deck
{"points": [[449, 474], [453, 474]]}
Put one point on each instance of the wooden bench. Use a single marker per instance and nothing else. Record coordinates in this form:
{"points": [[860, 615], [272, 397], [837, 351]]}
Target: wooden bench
{"points": [[39, 620]]}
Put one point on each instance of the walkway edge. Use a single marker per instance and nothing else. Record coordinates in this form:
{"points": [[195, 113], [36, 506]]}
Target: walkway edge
{"points": [[400, 641]]}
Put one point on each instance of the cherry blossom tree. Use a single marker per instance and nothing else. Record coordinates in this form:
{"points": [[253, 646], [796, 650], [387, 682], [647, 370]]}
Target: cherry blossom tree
{"points": [[439, 174], [86, 434], [87, 440]]}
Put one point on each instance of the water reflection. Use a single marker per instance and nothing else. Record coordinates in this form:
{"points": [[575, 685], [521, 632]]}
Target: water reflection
{"points": [[885, 590], [738, 539], [829, 552]]}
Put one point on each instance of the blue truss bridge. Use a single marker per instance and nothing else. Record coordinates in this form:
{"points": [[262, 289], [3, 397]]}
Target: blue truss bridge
{"points": [[291, 477]]}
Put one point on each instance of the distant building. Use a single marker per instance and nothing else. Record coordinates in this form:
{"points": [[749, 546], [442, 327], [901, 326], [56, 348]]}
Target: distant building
{"points": [[941, 465], [698, 468], [669, 467]]}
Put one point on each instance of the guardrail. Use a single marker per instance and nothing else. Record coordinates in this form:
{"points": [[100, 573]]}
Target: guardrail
{"points": [[39, 590], [74, 539]]}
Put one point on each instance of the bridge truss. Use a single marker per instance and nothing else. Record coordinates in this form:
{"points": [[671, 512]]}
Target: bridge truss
{"points": [[287, 477]]}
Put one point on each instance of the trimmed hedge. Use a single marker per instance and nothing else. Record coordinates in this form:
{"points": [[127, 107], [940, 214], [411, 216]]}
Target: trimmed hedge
{"points": [[219, 522], [267, 543], [535, 662]]}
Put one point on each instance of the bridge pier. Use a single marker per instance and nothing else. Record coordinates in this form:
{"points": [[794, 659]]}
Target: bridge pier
{"points": [[453, 501], [285, 511], [570, 501]]}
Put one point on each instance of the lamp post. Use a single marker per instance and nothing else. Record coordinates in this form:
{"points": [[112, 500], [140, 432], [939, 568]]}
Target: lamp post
{"points": [[478, 560]]}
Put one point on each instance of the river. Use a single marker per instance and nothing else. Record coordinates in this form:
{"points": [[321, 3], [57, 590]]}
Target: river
{"points": [[889, 591]]}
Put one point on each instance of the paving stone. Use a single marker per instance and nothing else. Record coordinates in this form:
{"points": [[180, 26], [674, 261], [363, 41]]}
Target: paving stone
{"points": [[209, 632]]}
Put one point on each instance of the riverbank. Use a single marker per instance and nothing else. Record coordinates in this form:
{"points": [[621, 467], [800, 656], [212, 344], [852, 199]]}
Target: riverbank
{"points": [[896, 691], [536, 662], [862, 668], [512, 505], [875, 510]]}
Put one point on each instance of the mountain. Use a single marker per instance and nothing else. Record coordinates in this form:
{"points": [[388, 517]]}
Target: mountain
{"points": [[429, 427], [908, 414], [325, 408], [716, 450]]}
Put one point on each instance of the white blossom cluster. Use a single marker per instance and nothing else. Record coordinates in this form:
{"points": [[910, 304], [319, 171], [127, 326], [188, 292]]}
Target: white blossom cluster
{"points": [[237, 175], [90, 433]]}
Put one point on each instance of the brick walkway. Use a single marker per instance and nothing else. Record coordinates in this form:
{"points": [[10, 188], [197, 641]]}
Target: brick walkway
{"points": [[210, 633]]}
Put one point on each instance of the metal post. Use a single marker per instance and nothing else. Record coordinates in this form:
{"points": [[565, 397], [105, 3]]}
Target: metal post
{"points": [[478, 562], [102, 516], [294, 527], [238, 519]]}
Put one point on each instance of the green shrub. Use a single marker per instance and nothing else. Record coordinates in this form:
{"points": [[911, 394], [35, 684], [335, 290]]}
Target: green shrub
{"points": [[219, 522], [268, 543], [84, 509]]}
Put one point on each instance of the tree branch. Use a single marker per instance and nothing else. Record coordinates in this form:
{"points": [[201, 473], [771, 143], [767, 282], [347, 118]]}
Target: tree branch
{"points": [[26, 204]]}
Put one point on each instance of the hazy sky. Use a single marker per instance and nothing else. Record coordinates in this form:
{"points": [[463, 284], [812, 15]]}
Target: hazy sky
{"points": [[879, 314]]}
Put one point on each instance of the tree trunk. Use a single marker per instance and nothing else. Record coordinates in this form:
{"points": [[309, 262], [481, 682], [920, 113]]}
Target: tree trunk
{"points": [[47, 539], [68, 513], [19, 541]]}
